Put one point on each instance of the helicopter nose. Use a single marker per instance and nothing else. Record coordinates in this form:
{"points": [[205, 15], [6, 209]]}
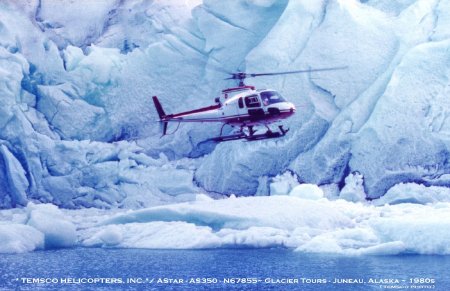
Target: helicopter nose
{"points": [[292, 108]]}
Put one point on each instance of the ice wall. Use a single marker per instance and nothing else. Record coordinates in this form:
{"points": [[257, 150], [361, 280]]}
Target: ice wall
{"points": [[383, 117], [77, 127], [70, 111]]}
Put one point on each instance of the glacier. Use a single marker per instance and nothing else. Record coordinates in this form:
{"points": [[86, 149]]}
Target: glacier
{"points": [[74, 88], [78, 129]]}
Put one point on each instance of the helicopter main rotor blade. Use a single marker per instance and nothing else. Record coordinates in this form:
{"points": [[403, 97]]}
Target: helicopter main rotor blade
{"points": [[297, 72]]}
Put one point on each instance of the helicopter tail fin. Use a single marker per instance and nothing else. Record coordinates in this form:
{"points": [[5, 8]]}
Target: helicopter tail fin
{"points": [[161, 114], [159, 108]]}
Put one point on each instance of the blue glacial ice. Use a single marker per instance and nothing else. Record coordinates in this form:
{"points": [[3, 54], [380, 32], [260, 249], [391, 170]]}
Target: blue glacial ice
{"points": [[73, 90], [78, 129]]}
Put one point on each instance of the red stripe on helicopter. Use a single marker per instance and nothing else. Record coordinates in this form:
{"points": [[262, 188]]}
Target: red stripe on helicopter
{"points": [[212, 107], [232, 119]]}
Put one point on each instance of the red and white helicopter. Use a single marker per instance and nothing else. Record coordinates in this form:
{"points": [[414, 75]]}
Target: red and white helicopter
{"points": [[243, 107]]}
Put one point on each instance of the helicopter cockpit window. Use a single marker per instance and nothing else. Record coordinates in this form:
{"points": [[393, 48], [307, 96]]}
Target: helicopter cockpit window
{"points": [[252, 101], [241, 103], [271, 97]]}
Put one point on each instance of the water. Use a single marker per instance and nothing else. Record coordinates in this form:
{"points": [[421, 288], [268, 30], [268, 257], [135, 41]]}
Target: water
{"points": [[265, 266]]}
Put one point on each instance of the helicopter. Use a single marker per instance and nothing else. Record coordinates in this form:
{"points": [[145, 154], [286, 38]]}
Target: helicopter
{"points": [[243, 107]]}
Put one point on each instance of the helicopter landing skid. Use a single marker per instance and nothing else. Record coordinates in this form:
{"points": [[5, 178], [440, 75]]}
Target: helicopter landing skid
{"points": [[266, 135], [269, 134], [253, 137], [228, 137]]}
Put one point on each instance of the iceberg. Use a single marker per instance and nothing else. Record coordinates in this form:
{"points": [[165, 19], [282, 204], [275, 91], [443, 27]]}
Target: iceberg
{"points": [[49, 220], [414, 193], [286, 221], [283, 221], [19, 238]]}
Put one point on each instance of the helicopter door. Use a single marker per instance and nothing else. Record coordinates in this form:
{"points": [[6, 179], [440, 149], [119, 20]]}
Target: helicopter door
{"points": [[241, 110], [253, 105]]}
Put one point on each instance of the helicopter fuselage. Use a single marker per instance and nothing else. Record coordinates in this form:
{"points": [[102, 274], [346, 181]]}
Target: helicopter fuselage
{"points": [[241, 106]]}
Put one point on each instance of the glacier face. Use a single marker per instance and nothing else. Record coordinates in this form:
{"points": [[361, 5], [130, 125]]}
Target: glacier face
{"points": [[78, 128], [396, 60]]}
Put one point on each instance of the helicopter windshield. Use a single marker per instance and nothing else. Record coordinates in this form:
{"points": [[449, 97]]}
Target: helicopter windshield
{"points": [[271, 97]]}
